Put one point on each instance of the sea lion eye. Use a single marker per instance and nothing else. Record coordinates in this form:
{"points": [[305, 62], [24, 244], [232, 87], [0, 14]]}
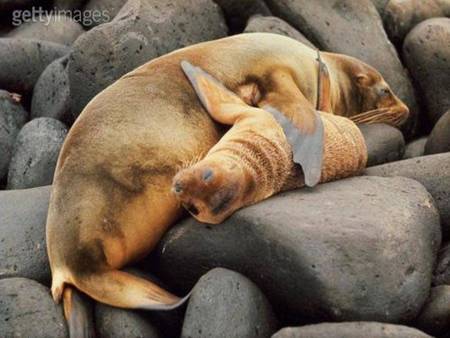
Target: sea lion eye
{"points": [[207, 175]]}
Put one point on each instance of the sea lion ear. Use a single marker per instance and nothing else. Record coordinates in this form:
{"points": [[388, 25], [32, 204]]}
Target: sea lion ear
{"points": [[362, 80], [212, 93], [306, 145]]}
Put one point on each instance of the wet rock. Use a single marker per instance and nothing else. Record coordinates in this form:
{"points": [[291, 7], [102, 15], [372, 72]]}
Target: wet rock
{"points": [[353, 28], [442, 272], [433, 171], [56, 28], [384, 143], [35, 153], [226, 304], [12, 117], [426, 52], [114, 322], [107, 10], [27, 310], [272, 24], [23, 214], [351, 330], [22, 61], [140, 32], [323, 263], [435, 316], [415, 148], [439, 139], [400, 16], [51, 94]]}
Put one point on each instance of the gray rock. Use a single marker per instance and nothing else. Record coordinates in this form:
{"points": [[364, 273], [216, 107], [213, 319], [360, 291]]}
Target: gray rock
{"points": [[439, 139], [56, 28], [35, 153], [441, 274], [109, 8], [140, 32], [12, 117], [426, 51], [433, 171], [415, 148], [353, 28], [237, 12], [28, 310], [321, 253], [51, 94], [350, 330], [22, 234], [384, 143], [23, 60], [113, 322], [400, 16], [435, 315], [226, 304], [272, 24]]}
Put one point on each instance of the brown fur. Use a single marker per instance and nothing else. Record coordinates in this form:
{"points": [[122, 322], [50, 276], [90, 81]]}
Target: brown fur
{"points": [[111, 199]]}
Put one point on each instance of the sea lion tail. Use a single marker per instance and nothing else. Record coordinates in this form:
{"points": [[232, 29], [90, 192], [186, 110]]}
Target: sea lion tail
{"points": [[78, 313], [121, 289]]}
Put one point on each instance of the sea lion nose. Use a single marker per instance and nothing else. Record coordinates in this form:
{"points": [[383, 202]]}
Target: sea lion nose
{"points": [[178, 187]]}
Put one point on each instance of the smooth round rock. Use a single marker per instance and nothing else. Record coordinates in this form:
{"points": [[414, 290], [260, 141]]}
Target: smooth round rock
{"points": [[51, 94], [226, 304], [23, 60], [272, 24], [433, 171], [415, 148], [353, 28], [400, 16], [56, 28], [114, 322], [237, 12], [426, 51], [321, 253], [441, 274], [435, 315], [141, 31], [384, 143], [350, 330], [439, 139], [108, 9], [27, 310], [12, 117], [35, 153], [23, 214]]}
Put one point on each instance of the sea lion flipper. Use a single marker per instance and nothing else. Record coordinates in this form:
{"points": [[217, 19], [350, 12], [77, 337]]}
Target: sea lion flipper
{"points": [[78, 313], [222, 104], [307, 147]]}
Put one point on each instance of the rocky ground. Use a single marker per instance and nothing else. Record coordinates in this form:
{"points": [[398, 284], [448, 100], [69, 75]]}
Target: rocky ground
{"points": [[365, 256]]}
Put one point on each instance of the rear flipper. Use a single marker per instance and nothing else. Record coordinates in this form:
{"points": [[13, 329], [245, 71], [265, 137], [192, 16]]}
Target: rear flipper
{"points": [[78, 313]]}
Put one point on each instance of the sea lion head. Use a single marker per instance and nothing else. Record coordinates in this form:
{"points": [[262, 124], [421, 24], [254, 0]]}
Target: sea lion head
{"points": [[375, 94], [212, 191]]}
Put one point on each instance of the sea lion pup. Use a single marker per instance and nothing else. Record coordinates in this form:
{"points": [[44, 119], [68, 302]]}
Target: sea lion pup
{"points": [[254, 160], [111, 200]]}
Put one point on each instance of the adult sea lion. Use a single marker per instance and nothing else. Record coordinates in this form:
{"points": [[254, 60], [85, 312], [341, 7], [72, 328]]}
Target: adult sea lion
{"points": [[254, 159], [111, 200]]}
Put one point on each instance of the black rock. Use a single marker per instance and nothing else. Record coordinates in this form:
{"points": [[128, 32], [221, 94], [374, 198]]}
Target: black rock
{"points": [[23, 60], [321, 253], [426, 51], [272, 24], [56, 28], [439, 139], [51, 94], [140, 32], [22, 234], [12, 117], [225, 304], [28, 310], [435, 316], [433, 171], [350, 330], [35, 153], [353, 28], [415, 148], [384, 143]]}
